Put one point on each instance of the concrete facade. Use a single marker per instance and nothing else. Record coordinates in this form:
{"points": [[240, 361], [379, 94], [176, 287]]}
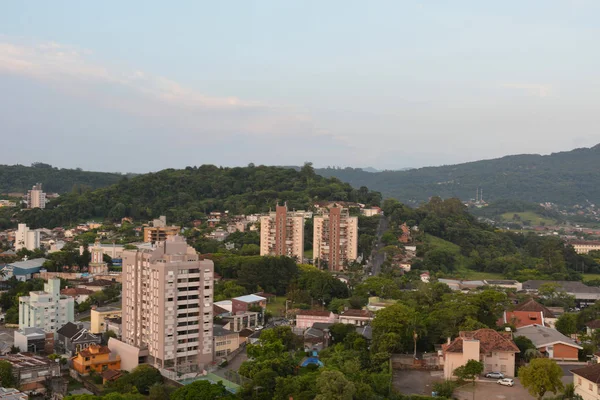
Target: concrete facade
{"points": [[48, 310], [282, 233], [335, 237], [26, 238], [36, 198], [168, 305]]}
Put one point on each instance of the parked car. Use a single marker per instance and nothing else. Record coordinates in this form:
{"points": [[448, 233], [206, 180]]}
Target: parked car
{"points": [[495, 375], [506, 382]]}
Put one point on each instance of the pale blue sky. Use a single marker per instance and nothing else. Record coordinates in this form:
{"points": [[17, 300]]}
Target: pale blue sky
{"points": [[115, 85]]}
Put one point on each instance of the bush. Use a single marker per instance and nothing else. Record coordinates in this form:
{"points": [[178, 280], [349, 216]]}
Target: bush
{"points": [[445, 389]]}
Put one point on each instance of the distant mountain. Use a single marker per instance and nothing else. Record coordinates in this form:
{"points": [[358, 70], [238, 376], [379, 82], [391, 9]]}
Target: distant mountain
{"points": [[564, 178], [19, 178]]}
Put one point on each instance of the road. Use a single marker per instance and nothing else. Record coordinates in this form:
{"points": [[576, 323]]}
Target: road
{"points": [[377, 258]]}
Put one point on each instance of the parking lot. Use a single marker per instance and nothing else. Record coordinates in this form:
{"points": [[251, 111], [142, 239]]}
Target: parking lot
{"points": [[415, 382]]}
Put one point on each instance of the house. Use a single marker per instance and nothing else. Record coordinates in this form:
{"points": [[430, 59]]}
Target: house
{"points": [[551, 342], [519, 319], [244, 303], [531, 305], [587, 382], [99, 315], [592, 326], [225, 341], [72, 338], [306, 318], [356, 317], [34, 340], [425, 277], [96, 358], [244, 334], [111, 375], [495, 350], [32, 371], [78, 294]]}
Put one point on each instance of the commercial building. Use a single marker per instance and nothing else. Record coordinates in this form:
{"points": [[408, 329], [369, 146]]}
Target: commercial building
{"points": [[167, 305], [96, 358], [335, 240], [47, 309], [282, 233], [495, 350], [99, 315], [26, 238], [31, 371], [23, 270], [585, 246], [36, 198], [34, 340], [226, 341]]}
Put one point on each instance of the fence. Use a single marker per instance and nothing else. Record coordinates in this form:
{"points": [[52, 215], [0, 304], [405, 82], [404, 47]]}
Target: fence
{"points": [[429, 361]]}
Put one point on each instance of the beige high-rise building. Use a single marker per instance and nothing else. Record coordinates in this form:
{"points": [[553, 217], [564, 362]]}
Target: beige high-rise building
{"points": [[167, 305], [335, 237], [282, 233], [36, 198]]}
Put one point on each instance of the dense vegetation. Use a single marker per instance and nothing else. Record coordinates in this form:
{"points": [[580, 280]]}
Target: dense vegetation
{"points": [[564, 178], [453, 241], [19, 178], [188, 194]]}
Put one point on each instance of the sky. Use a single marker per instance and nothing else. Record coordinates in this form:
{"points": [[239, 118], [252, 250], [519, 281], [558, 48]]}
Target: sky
{"points": [[136, 86]]}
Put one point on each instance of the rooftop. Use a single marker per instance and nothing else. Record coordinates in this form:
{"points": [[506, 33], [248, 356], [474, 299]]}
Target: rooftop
{"points": [[542, 336], [591, 373], [314, 313], [595, 324], [532, 305], [489, 341], [33, 263], [220, 331], [357, 313], [94, 350], [26, 360], [567, 286], [219, 310], [250, 298], [106, 309]]}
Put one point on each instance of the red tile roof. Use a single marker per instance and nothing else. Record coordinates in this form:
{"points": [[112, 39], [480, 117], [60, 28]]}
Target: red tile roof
{"points": [[314, 313], [522, 318], [357, 313], [489, 340], [593, 324], [94, 350], [532, 305], [591, 373], [76, 291]]}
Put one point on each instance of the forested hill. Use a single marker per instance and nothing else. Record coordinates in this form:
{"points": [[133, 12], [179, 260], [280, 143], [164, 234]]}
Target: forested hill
{"points": [[188, 194], [565, 178], [19, 178]]}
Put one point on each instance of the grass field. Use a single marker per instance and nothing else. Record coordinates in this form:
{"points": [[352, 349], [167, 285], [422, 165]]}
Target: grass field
{"points": [[589, 277], [533, 218], [277, 306]]}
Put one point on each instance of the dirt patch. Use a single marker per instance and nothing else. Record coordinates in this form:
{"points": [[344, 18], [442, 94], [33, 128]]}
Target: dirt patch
{"points": [[415, 382]]}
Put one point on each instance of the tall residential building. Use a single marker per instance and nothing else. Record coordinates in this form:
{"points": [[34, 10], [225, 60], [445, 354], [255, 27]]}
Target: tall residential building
{"points": [[36, 198], [159, 231], [168, 305], [335, 237], [48, 310], [282, 233], [26, 238]]}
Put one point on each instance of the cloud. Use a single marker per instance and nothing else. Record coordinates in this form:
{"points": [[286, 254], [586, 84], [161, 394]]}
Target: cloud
{"points": [[134, 91], [531, 89]]}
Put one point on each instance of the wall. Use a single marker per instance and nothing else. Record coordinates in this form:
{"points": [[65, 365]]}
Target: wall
{"points": [[562, 351], [582, 388], [500, 362]]}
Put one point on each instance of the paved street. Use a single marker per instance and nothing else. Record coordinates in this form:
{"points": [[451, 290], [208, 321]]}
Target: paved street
{"points": [[377, 258]]}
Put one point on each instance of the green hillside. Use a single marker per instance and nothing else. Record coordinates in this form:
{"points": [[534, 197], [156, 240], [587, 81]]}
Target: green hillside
{"points": [[187, 194], [19, 178], [565, 178]]}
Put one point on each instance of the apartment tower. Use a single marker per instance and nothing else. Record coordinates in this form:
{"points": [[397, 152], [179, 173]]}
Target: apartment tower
{"points": [[335, 239], [26, 238], [36, 198], [282, 233], [167, 305], [48, 309]]}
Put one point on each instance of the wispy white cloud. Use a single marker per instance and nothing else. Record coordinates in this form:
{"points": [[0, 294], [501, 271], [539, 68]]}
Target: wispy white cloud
{"points": [[532, 89], [76, 72]]}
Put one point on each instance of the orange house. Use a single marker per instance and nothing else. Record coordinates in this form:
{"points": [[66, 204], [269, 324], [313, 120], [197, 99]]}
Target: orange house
{"points": [[96, 358]]}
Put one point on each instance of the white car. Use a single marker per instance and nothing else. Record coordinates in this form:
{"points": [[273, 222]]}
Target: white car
{"points": [[506, 382], [259, 328], [497, 375]]}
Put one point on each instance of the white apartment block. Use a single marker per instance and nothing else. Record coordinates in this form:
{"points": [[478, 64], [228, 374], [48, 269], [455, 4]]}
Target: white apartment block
{"points": [[48, 310], [36, 198], [335, 239], [26, 238], [282, 233], [168, 305]]}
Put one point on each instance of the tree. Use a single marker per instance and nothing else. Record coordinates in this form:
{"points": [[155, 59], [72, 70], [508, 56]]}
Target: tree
{"points": [[202, 390], [469, 371], [333, 385], [567, 324], [6, 375], [540, 376], [142, 378]]}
